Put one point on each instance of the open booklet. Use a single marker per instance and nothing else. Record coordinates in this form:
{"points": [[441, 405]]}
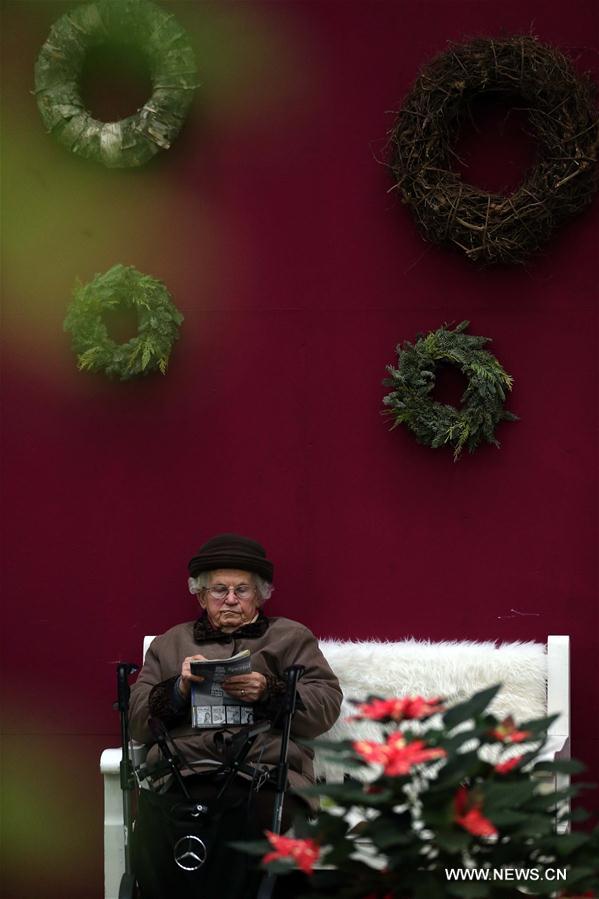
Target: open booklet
{"points": [[211, 706]]}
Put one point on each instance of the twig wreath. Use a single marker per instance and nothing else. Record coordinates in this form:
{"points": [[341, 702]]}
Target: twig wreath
{"points": [[436, 424], [490, 228], [158, 323], [166, 47]]}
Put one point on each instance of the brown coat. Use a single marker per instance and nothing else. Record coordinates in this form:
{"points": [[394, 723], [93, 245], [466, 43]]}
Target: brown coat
{"points": [[275, 643]]}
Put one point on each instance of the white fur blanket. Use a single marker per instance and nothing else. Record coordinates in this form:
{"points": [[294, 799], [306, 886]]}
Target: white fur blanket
{"points": [[453, 670]]}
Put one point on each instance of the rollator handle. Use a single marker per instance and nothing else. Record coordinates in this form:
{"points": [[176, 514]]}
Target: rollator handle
{"points": [[293, 674], [124, 670]]}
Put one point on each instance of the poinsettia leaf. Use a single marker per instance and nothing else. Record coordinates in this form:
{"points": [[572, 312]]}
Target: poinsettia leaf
{"points": [[577, 816], [326, 829], [371, 697], [453, 743], [387, 832], [579, 873], [469, 889], [305, 828], [470, 708], [280, 866], [456, 769], [548, 800], [568, 842], [560, 766], [427, 887], [506, 817], [538, 725], [252, 847], [438, 817], [348, 793], [453, 841], [335, 747], [340, 853], [326, 879], [507, 794], [534, 825]]}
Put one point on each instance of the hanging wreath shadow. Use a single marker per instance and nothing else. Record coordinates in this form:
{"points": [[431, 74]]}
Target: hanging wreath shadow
{"points": [[437, 424], [171, 62], [491, 228]]}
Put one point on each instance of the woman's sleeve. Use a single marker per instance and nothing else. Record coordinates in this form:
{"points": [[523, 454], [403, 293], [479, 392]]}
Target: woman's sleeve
{"points": [[318, 690], [318, 693], [151, 696]]}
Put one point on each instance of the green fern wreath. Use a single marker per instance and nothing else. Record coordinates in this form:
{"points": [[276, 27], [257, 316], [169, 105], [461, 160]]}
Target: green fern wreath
{"points": [[436, 424], [158, 323]]}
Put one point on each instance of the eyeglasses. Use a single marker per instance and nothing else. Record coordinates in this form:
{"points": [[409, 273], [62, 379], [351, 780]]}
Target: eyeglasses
{"points": [[220, 591]]}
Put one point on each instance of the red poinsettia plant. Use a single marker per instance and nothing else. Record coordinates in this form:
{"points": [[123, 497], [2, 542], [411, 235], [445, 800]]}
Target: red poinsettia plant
{"points": [[441, 791]]}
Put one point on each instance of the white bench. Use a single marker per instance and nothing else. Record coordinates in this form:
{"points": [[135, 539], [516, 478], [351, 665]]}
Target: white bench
{"points": [[535, 679]]}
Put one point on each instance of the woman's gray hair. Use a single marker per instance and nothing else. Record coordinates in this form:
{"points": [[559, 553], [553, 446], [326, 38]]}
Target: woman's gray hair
{"points": [[201, 582]]}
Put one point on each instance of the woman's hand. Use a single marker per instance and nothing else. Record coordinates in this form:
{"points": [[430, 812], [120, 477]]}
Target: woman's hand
{"points": [[249, 687], [186, 677]]}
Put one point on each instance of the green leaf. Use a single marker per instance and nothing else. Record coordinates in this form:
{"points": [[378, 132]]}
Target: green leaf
{"points": [[560, 766], [568, 842], [578, 874], [387, 832], [549, 800], [453, 841], [347, 794], [469, 889], [280, 866], [578, 816], [471, 708], [453, 743], [504, 793], [428, 887], [252, 847], [538, 726], [456, 769], [505, 817], [535, 825]]}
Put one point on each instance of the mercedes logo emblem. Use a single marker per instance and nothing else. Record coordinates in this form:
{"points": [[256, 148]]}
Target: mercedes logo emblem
{"points": [[190, 853]]}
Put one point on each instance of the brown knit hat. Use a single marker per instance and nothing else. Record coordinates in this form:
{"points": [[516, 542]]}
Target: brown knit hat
{"points": [[232, 551]]}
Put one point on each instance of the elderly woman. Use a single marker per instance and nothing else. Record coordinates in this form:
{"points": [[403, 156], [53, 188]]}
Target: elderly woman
{"points": [[232, 578]]}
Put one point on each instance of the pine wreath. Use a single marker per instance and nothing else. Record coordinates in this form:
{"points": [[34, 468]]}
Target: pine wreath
{"points": [[166, 47], [436, 424], [158, 323], [491, 228]]}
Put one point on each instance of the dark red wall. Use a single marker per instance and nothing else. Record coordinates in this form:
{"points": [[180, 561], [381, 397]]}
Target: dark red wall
{"points": [[298, 273]]}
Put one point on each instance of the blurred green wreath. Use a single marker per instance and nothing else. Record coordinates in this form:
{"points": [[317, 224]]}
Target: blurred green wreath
{"points": [[123, 287], [437, 424], [165, 46]]}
